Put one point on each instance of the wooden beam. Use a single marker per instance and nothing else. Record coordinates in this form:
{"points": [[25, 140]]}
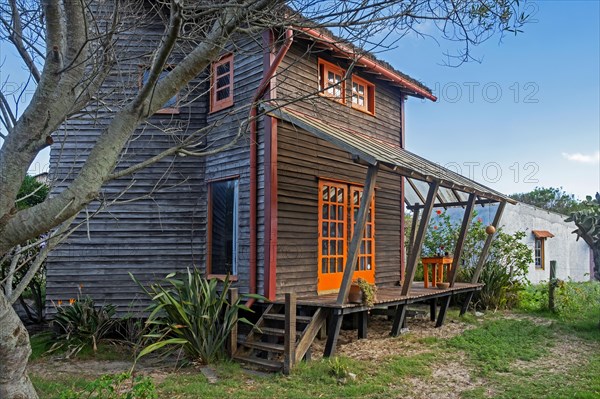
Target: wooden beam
{"points": [[411, 239], [311, 331], [362, 324], [460, 243], [289, 339], [453, 204], [333, 332], [488, 243], [359, 231], [415, 251], [233, 335], [399, 318], [443, 309]]}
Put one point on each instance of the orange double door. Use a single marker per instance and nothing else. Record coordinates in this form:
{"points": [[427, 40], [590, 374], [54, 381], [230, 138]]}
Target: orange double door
{"points": [[338, 209]]}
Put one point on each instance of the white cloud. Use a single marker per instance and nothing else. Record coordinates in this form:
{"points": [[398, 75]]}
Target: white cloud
{"points": [[583, 158]]}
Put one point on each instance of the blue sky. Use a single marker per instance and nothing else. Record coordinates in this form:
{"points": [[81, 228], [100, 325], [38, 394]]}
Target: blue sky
{"points": [[528, 115]]}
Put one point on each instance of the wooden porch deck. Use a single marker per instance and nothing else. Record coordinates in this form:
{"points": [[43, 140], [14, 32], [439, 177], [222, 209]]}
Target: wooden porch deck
{"points": [[389, 296]]}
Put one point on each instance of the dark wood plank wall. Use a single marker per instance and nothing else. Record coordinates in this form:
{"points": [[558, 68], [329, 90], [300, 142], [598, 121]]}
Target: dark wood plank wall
{"points": [[248, 69], [162, 231], [298, 77], [303, 159]]}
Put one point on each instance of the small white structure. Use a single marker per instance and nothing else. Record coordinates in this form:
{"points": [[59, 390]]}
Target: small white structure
{"points": [[550, 238]]}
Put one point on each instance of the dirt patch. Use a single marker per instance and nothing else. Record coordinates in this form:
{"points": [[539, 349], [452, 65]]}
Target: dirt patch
{"points": [[55, 368], [380, 345]]}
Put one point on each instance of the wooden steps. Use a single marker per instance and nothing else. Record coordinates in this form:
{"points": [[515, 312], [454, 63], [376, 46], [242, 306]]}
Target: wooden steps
{"points": [[267, 346], [270, 365]]}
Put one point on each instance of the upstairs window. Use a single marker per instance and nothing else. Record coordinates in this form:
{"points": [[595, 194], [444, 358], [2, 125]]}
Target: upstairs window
{"points": [[331, 81], [221, 84], [171, 106], [363, 95], [222, 231]]}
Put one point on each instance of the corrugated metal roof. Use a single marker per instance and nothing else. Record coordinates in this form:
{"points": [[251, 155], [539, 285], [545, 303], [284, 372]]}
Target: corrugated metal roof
{"points": [[373, 151]]}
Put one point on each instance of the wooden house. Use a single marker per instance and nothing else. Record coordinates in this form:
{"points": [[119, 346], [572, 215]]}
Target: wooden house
{"points": [[279, 208]]}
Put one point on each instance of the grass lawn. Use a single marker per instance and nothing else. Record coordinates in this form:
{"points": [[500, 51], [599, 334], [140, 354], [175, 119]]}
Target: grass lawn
{"points": [[502, 355]]}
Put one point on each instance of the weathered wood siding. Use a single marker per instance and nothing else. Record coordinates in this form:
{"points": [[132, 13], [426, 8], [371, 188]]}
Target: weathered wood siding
{"points": [[158, 224], [298, 77], [235, 162], [302, 160]]}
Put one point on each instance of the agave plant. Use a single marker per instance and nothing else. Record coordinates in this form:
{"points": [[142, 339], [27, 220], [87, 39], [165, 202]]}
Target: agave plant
{"points": [[192, 313]]}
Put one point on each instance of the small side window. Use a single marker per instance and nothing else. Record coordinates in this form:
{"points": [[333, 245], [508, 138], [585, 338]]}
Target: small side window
{"points": [[331, 81], [539, 253], [221, 84], [363, 95], [171, 106]]}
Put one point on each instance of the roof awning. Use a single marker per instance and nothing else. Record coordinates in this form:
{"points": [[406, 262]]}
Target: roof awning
{"points": [[542, 234], [418, 171]]}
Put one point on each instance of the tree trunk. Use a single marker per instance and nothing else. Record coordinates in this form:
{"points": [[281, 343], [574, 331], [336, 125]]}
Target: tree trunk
{"points": [[14, 352], [596, 255]]}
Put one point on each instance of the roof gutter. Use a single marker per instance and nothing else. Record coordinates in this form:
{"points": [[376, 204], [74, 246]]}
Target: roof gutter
{"points": [[262, 88], [368, 63]]}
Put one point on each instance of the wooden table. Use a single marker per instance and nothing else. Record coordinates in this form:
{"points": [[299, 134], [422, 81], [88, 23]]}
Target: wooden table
{"points": [[438, 264]]}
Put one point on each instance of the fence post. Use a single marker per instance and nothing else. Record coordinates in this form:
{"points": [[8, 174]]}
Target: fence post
{"points": [[552, 286], [289, 339], [233, 335]]}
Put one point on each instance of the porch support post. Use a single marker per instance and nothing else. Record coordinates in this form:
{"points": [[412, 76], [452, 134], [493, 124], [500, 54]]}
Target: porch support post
{"points": [[359, 231], [415, 251], [233, 335], [398, 320], [488, 244], [362, 324], [413, 231], [443, 309], [483, 256], [460, 244], [333, 332]]}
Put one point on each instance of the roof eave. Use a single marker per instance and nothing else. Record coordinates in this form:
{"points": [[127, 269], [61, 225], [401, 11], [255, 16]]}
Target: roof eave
{"points": [[410, 88]]}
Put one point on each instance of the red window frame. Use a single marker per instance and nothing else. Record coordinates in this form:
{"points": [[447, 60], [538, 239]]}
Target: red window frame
{"points": [[226, 102], [337, 91], [367, 94]]}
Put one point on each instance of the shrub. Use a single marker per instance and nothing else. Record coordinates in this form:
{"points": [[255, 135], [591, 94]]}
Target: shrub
{"points": [[81, 323], [119, 386], [504, 272], [194, 314]]}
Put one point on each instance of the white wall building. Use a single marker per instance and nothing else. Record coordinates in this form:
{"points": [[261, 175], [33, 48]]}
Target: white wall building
{"points": [[551, 238]]}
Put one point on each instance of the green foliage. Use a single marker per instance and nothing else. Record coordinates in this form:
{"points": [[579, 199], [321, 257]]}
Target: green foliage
{"points": [[338, 368], [369, 292], [505, 270], [32, 193], [119, 386], [504, 273], [552, 199], [498, 343], [441, 235], [587, 221], [192, 313], [575, 299], [81, 323]]}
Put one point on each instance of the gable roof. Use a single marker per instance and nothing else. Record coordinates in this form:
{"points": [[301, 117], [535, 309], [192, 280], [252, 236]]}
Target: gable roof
{"points": [[367, 60], [373, 151]]}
